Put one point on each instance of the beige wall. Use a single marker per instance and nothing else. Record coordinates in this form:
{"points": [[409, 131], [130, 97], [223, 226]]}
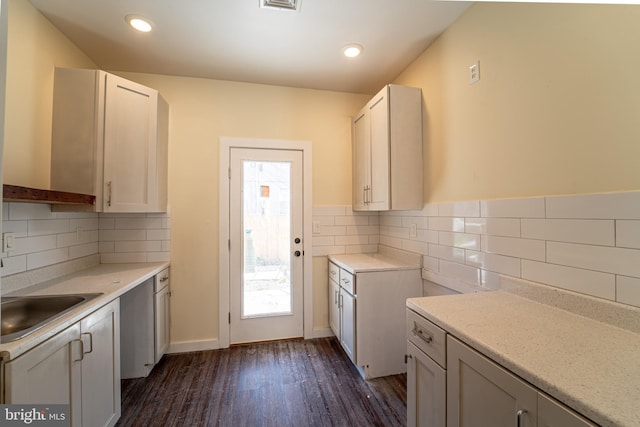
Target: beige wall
{"points": [[201, 112], [555, 111], [34, 48]]}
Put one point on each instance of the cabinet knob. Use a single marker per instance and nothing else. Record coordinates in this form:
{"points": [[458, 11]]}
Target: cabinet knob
{"points": [[297, 253]]}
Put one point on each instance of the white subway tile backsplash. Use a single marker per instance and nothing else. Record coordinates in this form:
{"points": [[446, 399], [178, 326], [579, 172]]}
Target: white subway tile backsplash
{"points": [[460, 209], [53, 226], [447, 253], [585, 243], [507, 227], [459, 240], [30, 211], [351, 240], [588, 282], [362, 229], [513, 208], [628, 290], [628, 234], [592, 232], [489, 279], [492, 262], [599, 258], [361, 249], [127, 258], [514, 247], [138, 223], [463, 272], [28, 245], [446, 224], [391, 221], [430, 263], [399, 232], [624, 205], [418, 247], [420, 222], [120, 235], [352, 220], [46, 239], [43, 259], [79, 251], [139, 246]]}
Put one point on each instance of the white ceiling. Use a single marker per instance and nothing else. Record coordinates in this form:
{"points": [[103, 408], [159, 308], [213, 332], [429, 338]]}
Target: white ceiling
{"points": [[237, 40]]}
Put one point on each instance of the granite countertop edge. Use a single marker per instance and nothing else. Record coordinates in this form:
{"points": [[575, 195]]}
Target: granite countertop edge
{"points": [[532, 340]]}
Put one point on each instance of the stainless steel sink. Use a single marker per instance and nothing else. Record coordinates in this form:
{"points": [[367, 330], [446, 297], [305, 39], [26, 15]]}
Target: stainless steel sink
{"points": [[24, 315]]}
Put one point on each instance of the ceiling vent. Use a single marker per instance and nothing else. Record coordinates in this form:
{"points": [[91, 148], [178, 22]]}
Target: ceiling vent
{"points": [[281, 4]]}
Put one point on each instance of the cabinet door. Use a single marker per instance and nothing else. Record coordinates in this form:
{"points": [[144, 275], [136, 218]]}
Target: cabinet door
{"points": [[481, 393], [426, 390], [130, 144], [380, 152], [163, 322], [101, 366], [334, 307], [361, 160], [348, 324], [554, 414], [48, 374]]}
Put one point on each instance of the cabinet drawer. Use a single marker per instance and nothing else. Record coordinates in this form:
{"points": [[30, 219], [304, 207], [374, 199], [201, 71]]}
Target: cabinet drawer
{"points": [[334, 272], [427, 337], [347, 281], [161, 280]]}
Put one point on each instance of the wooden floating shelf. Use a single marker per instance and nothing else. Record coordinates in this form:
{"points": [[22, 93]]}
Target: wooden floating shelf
{"points": [[14, 193]]}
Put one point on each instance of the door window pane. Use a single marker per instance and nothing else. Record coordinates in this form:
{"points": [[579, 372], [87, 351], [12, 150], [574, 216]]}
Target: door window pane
{"points": [[266, 284]]}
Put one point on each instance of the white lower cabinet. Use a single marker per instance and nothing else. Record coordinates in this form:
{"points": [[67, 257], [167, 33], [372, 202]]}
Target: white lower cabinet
{"points": [[79, 366], [426, 390], [449, 383], [366, 314]]}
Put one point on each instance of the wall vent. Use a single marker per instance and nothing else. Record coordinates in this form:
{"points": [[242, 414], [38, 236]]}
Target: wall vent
{"points": [[281, 4]]}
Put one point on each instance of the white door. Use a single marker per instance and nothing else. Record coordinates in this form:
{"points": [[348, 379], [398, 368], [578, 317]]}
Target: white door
{"points": [[266, 256]]}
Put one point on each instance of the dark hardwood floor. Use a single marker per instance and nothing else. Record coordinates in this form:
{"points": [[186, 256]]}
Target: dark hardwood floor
{"points": [[281, 383]]}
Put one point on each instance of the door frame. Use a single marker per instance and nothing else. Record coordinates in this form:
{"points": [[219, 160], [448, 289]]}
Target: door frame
{"points": [[226, 144]]}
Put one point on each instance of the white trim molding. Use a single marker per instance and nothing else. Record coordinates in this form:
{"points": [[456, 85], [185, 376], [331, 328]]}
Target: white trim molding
{"points": [[226, 143]]}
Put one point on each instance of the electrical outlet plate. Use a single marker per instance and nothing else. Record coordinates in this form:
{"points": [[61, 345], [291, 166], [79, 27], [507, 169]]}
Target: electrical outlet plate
{"points": [[8, 242], [413, 230], [474, 73]]}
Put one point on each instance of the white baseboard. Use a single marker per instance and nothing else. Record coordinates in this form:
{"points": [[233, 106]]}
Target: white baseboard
{"points": [[187, 346], [322, 333]]}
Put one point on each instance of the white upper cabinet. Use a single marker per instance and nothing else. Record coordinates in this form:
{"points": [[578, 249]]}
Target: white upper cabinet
{"points": [[387, 151], [109, 139]]}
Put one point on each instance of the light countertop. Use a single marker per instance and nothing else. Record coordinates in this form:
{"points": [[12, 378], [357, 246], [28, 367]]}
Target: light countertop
{"points": [[591, 366], [112, 280], [359, 263]]}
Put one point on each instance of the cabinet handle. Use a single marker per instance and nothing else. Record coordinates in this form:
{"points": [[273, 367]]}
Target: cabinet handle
{"points": [[90, 342], [519, 415], [332, 272], [108, 193], [335, 297], [164, 279], [340, 299], [81, 351], [407, 357], [418, 333]]}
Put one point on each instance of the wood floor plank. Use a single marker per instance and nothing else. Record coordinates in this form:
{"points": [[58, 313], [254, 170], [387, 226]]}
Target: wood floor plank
{"points": [[283, 383]]}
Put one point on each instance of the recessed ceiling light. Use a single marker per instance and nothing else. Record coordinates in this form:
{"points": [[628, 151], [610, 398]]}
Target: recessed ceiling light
{"points": [[352, 50], [139, 23]]}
